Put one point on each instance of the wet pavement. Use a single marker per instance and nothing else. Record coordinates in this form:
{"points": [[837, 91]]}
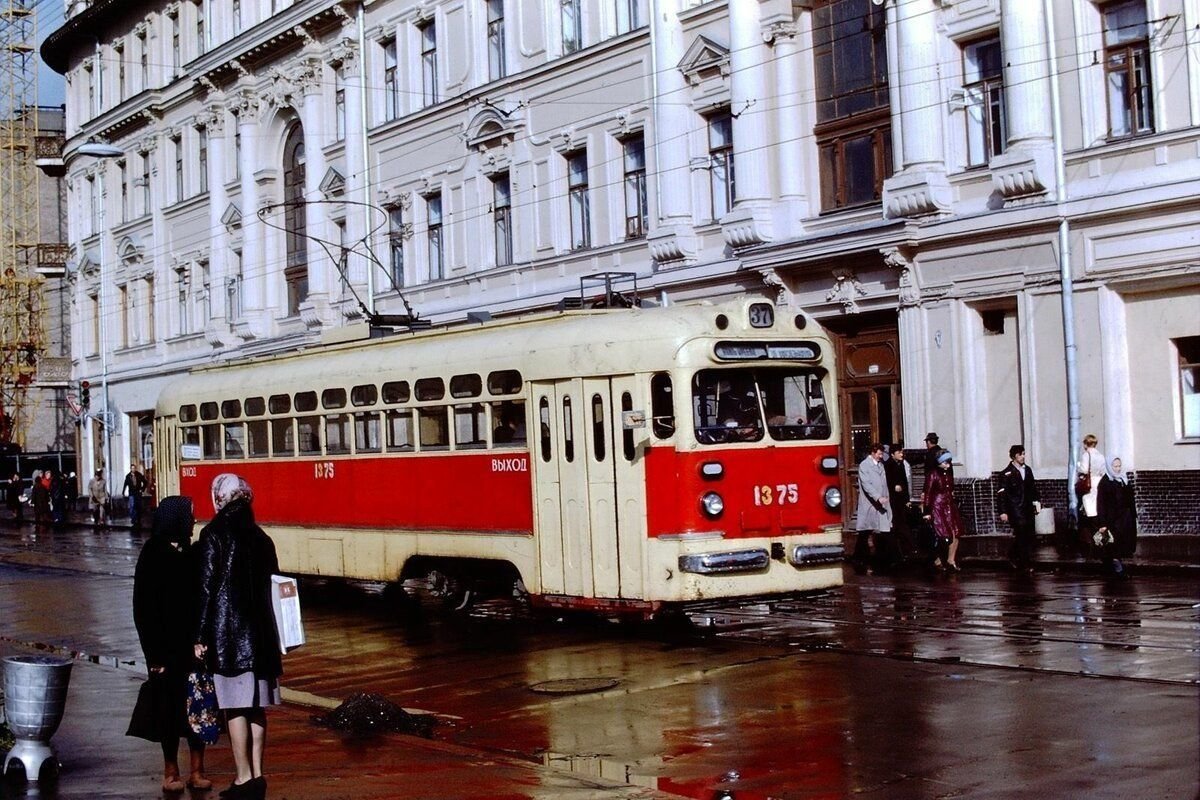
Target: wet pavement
{"points": [[976, 685]]}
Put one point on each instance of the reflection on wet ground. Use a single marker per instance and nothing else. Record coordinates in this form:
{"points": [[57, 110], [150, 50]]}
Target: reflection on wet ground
{"points": [[965, 685]]}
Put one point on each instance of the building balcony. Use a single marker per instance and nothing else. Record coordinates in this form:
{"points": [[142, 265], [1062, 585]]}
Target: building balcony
{"points": [[52, 259], [48, 155]]}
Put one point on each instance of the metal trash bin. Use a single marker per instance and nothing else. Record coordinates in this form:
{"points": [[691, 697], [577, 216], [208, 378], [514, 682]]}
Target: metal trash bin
{"points": [[35, 695]]}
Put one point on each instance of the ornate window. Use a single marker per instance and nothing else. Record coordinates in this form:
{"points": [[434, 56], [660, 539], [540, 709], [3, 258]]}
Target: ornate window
{"points": [[429, 65], [396, 244], [637, 215], [391, 85], [983, 89], [1188, 348], [295, 273], [572, 25], [433, 236], [577, 197], [1127, 69], [502, 218], [720, 163], [202, 158], [497, 69], [853, 117]]}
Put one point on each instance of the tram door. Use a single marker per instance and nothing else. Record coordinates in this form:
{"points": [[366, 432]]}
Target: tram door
{"points": [[578, 501]]}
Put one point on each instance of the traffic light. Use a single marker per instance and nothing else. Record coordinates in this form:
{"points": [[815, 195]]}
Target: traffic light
{"points": [[85, 394]]}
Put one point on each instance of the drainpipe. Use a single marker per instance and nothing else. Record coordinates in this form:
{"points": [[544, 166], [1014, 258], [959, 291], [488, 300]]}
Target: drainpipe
{"points": [[366, 176], [1067, 281]]}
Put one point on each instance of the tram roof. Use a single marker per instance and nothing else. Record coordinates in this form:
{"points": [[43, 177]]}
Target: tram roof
{"points": [[542, 346]]}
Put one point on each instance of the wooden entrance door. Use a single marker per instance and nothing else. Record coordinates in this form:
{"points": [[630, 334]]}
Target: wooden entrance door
{"points": [[869, 395]]}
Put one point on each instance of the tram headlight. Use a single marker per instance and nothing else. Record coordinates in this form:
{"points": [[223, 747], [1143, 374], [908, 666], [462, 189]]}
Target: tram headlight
{"points": [[833, 497], [712, 504]]}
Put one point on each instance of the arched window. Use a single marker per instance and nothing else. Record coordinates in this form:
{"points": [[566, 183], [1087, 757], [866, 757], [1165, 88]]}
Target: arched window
{"points": [[295, 220]]}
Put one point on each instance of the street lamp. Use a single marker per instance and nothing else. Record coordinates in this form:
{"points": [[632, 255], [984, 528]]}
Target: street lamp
{"points": [[100, 150]]}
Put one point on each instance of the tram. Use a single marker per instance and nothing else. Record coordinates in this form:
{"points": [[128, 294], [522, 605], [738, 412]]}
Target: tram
{"points": [[616, 459]]}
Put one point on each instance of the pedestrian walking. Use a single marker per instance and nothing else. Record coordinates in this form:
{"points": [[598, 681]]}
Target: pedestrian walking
{"points": [[71, 491], [58, 498], [942, 512], [1020, 502], [39, 497], [236, 628], [874, 516], [164, 612], [134, 487], [899, 480], [98, 499], [1091, 467], [12, 497], [1117, 516]]}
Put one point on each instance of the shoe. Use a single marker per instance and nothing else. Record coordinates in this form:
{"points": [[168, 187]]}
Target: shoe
{"points": [[172, 784], [953, 567], [199, 784], [240, 791]]}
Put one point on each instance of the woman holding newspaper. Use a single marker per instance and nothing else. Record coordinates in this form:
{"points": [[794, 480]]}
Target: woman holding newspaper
{"points": [[236, 632]]}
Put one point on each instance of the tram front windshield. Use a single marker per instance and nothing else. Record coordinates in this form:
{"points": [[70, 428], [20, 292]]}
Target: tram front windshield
{"points": [[743, 405]]}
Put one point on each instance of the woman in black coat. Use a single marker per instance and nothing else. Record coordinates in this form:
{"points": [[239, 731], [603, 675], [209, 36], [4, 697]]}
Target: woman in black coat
{"points": [[1117, 517], [164, 594], [236, 629]]}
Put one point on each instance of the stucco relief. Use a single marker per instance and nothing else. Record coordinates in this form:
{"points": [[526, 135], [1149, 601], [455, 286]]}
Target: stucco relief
{"points": [[909, 290], [783, 295], [846, 290]]}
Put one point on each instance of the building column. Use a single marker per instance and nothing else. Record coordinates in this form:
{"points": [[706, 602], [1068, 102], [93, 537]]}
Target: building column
{"points": [[920, 188], [749, 222], [218, 201], [793, 117], [315, 124], [673, 239], [1026, 168], [254, 276], [354, 79]]}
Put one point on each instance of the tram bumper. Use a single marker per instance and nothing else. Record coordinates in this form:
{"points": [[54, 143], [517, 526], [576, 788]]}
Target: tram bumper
{"points": [[809, 555], [725, 563]]}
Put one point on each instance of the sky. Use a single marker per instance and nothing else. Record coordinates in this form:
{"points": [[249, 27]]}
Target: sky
{"points": [[52, 87]]}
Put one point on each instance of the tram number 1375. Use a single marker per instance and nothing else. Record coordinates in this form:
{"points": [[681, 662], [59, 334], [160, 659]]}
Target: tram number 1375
{"points": [[781, 494]]}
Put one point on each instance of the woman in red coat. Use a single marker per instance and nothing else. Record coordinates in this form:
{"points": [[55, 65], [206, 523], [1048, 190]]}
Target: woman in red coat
{"points": [[942, 512]]}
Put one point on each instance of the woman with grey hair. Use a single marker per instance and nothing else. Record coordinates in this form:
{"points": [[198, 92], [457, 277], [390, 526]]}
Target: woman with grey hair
{"points": [[236, 631]]}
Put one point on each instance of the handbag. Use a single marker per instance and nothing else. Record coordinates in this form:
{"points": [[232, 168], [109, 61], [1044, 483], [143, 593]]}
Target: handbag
{"points": [[1083, 484], [202, 706], [145, 723]]}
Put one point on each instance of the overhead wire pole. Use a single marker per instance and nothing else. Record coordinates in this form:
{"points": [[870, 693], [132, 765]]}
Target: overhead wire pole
{"points": [[21, 338]]}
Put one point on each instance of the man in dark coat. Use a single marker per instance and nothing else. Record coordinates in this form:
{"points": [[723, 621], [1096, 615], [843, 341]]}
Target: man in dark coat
{"points": [[1019, 504], [899, 479]]}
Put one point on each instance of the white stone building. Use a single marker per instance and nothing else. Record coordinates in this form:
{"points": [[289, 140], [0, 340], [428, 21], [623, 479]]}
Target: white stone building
{"points": [[907, 170]]}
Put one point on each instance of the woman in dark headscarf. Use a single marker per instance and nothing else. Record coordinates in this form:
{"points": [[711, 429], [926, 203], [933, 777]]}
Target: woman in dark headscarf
{"points": [[164, 611], [236, 627], [1117, 516]]}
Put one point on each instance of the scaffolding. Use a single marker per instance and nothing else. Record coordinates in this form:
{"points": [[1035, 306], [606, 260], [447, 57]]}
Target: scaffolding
{"points": [[21, 336]]}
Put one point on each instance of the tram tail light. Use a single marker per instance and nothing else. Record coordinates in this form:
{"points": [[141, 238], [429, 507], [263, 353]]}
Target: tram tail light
{"points": [[712, 504], [833, 497], [829, 463], [711, 470]]}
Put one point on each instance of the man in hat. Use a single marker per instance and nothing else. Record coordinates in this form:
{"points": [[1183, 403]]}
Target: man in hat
{"points": [[932, 452]]}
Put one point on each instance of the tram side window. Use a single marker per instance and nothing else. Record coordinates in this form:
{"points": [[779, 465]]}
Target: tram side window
{"points": [[399, 429], [235, 440], [364, 395], [662, 405], [208, 411], [544, 427], [308, 435], [231, 409], [568, 430], [212, 441], [395, 392], [508, 421], [306, 401], [470, 426], [255, 406], [598, 427], [337, 433], [430, 389], [333, 398], [466, 386], [433, 427], [256, 438], [188, 414], [280, 404], [189, 436], [627, 433], [504, 381], [283, 438], [366, 432]]}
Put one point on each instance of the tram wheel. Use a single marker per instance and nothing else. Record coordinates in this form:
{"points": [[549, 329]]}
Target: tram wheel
{"points": [[456, 594]]}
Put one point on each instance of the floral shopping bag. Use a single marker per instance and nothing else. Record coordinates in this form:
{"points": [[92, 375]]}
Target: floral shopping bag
{"points": [[202, 706]]}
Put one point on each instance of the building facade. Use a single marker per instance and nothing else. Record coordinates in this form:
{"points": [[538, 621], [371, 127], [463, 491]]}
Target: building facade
{"points": [[915, 173]]}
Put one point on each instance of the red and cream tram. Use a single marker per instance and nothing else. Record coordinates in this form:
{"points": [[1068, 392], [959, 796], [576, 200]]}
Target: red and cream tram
{"points": [[615, 459]]}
